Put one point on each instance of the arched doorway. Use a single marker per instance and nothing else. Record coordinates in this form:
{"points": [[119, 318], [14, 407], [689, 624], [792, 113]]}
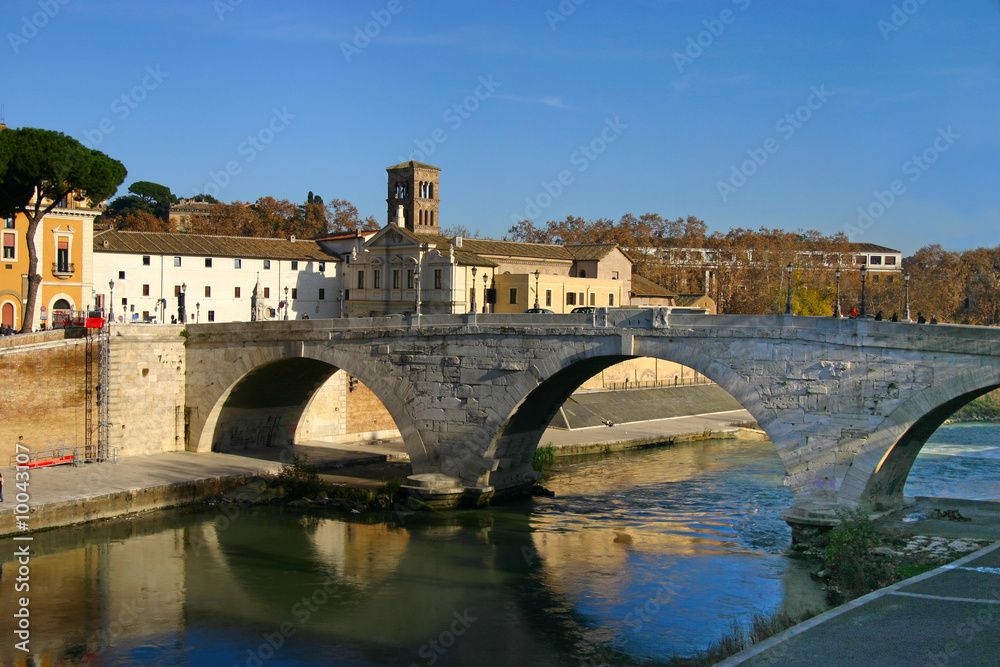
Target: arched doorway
{"points": [[7, 314], [62, 304]]}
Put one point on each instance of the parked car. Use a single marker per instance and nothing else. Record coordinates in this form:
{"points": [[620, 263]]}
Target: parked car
{"points": [[544, 311], [583, 309]]}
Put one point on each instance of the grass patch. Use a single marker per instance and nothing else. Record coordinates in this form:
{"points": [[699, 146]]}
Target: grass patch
{"points": [[738, 638]]}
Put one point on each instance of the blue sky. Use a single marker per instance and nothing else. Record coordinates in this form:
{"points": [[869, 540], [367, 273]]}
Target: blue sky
{"points": [[790, 114]]}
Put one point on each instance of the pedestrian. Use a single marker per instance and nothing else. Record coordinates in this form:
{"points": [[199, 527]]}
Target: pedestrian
{"points": [[854, 313], [895, 317], [921, 319], [933, 318], [878, 316], [1, 487]]}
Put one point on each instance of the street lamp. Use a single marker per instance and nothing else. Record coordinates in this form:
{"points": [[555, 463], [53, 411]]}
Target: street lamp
{"points": [[788, 301], [474, 309], [181, 306], [836, 308], [486, 279], [416, 282], [197, 312], [864, 304], [341, 300], [286, 302], [111, 300], [906, 284], [537, 273]]}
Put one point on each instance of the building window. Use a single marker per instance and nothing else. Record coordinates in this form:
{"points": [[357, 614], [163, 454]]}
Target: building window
{"points": [[145, 315], [876, 260], [593, 299], [236, 292], [890, 260], [145, 290], [295, 292], [548, 298], [121, 275], [177, 290], [295, 265], [860, 259], [145, 260], [361, 279], [570, 298], [8, 223], [437, 278], [513, 295], [237, 263], [208, 291], [614, 275], [377, 279], [208, 262], [9, 245], [267, 292], [409, 279], [211, 316], [267, 264], [611, 299], [583, 274], [322, 293], [322, 267], [177, 261], [395, 279]]}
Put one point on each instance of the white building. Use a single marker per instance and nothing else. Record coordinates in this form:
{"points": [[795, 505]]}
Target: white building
{"points": [[222, 278]]}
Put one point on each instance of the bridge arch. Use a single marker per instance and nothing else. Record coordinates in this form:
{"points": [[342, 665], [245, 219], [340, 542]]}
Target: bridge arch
{"points": [[546, 386], [878, 474], [264, 395]]}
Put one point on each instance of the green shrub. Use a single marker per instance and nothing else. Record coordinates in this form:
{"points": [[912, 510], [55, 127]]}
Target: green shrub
{"points": [[853, 568], [543, 456], [299, 479]]}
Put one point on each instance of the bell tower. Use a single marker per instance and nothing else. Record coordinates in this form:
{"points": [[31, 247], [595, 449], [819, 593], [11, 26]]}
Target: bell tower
{"points": [[414, 186]]}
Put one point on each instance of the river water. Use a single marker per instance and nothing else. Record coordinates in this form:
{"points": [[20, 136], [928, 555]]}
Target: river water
{"points": [[638, 557]]}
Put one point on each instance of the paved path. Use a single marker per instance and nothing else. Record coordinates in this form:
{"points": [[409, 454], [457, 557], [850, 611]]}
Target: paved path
{"points": [[950, 616]]}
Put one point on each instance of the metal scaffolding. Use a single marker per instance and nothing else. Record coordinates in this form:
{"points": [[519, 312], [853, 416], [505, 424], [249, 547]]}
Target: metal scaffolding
{"points": [[103, 419]]}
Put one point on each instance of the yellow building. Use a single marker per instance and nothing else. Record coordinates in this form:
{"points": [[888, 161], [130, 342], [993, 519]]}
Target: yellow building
{"points": [[63, 242]]}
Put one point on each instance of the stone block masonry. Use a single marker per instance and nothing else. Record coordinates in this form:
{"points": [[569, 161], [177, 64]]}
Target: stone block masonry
{"points": [[147, 389]]}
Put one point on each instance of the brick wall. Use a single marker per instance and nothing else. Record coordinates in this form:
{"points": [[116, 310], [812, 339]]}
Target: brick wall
{"points": [[366, 415], [42, 385]]}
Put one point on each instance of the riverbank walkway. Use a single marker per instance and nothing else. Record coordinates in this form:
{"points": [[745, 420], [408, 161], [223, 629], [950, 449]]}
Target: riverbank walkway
{"points": [[949, 616]]}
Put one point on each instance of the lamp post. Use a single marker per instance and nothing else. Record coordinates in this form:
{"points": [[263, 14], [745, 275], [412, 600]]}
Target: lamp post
{"points": [[474, 308], [836, 308], [864, 304], [286, 302], [181, 310], [537, 274], [906, 286], [486, 306], [416, 298], [111, 300], [788, 300], [197, 312], [341, 299]]}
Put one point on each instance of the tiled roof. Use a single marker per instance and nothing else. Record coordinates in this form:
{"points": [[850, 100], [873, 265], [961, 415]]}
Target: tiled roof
{"points": [[516, 249], [157, 243], [646, 287], [869, 247], [413, 164], [688, 299], [591, 252]]}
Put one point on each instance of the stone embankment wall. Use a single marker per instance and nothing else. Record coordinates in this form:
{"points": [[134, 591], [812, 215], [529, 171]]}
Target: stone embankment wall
{"points": [[42, 391]]}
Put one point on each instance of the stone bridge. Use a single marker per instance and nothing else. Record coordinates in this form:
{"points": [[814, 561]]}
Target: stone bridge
{"points": [[847, 403]]}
